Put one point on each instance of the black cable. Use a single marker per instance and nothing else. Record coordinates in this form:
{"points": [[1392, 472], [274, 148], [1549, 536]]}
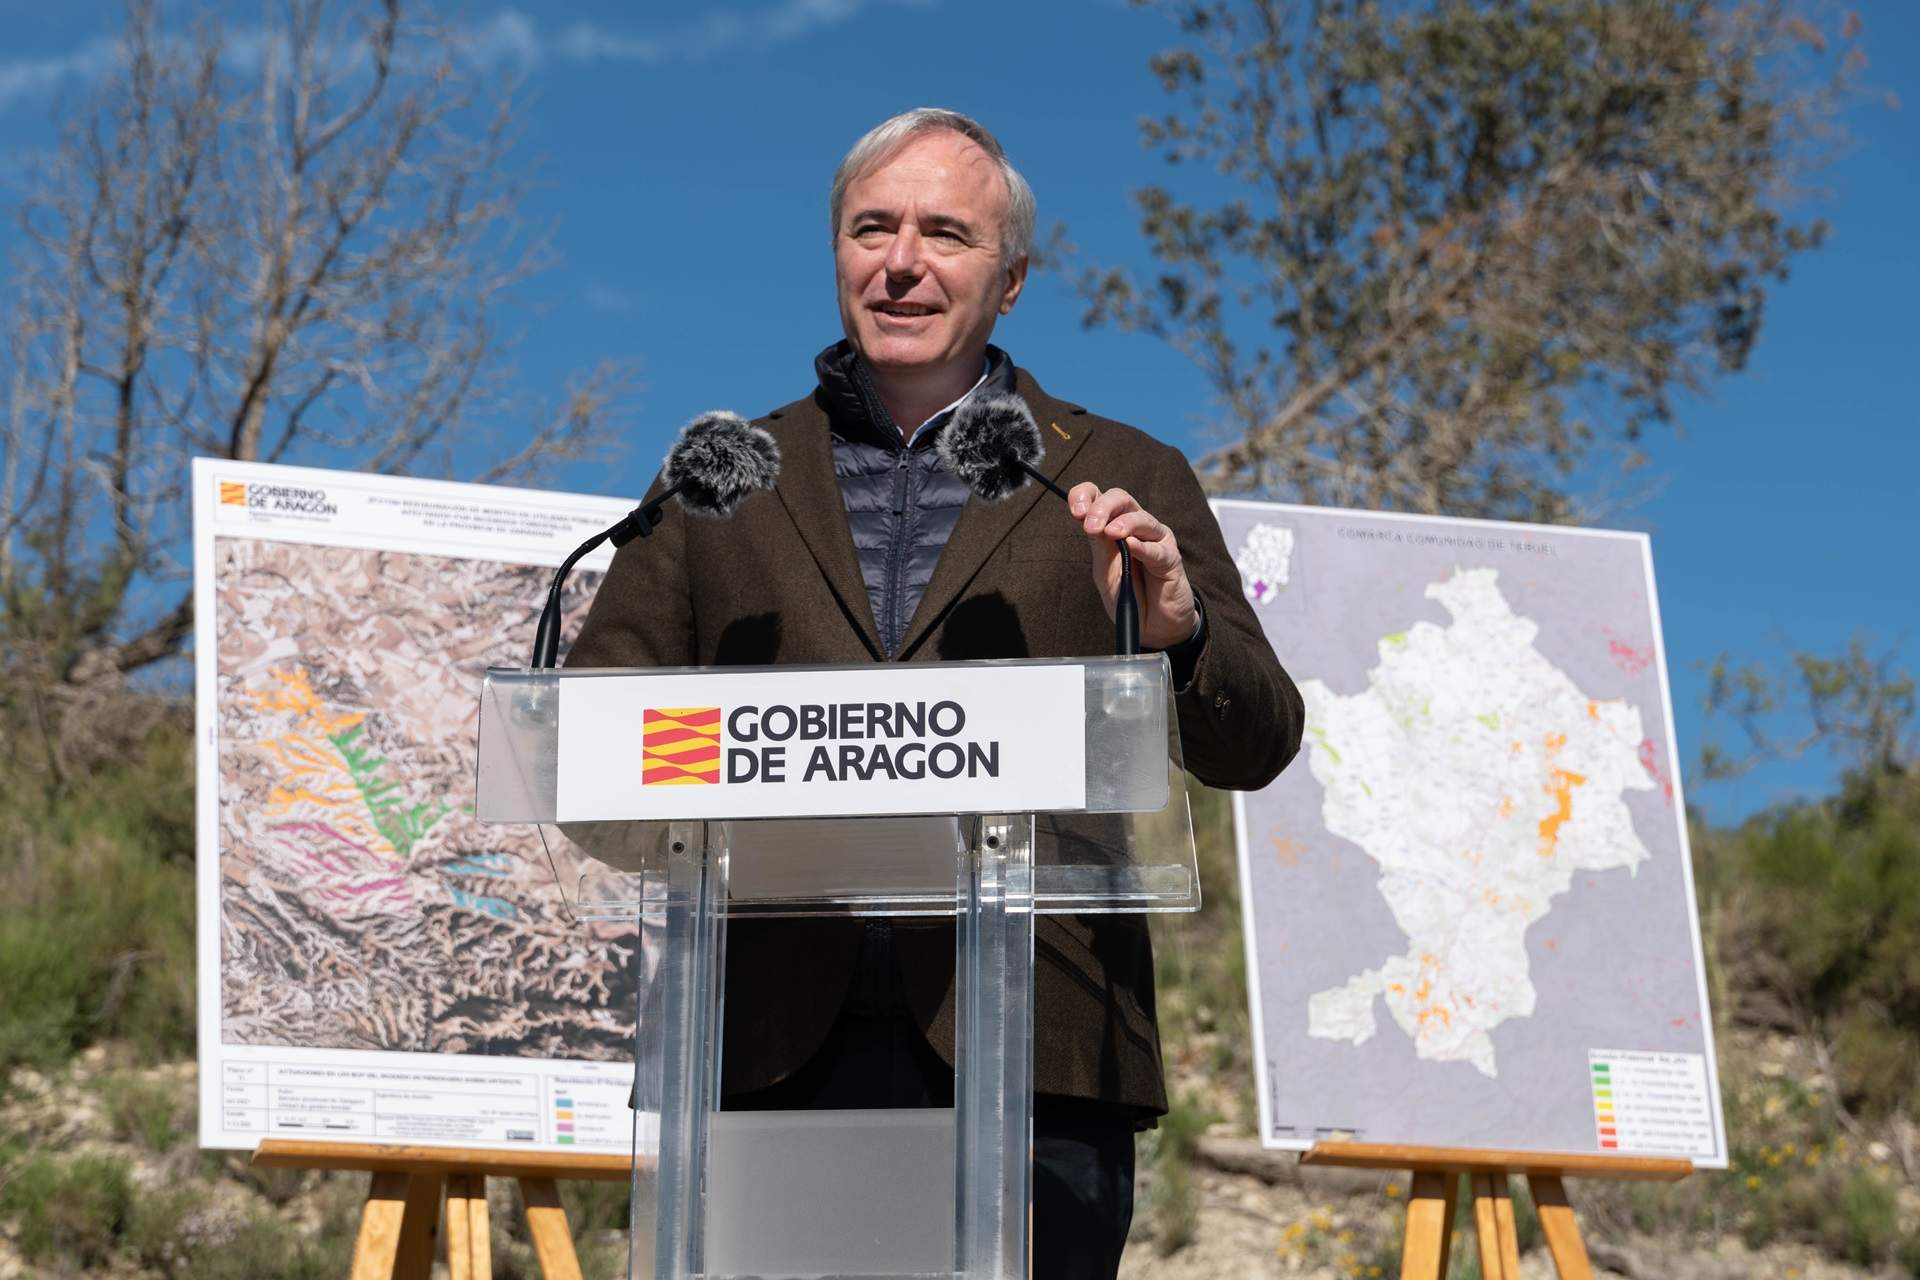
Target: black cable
{"points": [[1126, 605]]}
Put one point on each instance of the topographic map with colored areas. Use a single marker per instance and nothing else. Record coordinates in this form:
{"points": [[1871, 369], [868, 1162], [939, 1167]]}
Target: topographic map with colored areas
{"points": [[362, 906], [1480, 837], [1461, 765]]}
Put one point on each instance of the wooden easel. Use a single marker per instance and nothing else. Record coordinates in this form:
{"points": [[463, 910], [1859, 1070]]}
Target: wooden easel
{"points": [[1436, 1171], [402, 1213]]}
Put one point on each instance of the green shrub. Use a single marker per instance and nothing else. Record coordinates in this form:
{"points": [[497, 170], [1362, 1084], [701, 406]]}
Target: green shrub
{"points": [[1526, 1218], [1172, 1211], [276, 1186], [97, 938], [182, 1233], [141, 1110], [595, 1206], [71, 1210], [1200, 966], [1868, 1220], [1820, 903], [158, 1229]]}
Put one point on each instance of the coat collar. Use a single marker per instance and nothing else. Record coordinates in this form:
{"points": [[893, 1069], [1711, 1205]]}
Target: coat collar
{"points": [[810, 493], [853, 403]]}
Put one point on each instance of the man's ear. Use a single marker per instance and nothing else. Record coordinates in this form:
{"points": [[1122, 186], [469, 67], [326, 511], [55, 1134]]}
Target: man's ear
{"points": [[1016, 281]]}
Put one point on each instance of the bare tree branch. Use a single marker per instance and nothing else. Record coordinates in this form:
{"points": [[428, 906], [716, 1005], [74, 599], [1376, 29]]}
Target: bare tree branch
{"points": [[1463, 244], [297, 262]]}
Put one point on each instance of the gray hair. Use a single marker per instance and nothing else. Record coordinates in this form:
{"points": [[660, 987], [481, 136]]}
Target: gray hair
{"points": [[889, 136]]}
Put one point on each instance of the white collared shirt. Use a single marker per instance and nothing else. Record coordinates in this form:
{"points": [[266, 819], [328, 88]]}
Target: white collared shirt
{"points": [[941, 416]]}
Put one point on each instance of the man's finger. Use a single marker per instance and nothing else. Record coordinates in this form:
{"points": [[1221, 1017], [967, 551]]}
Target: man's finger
{"points": [[1081, 497], [1142, 525], [1110, 503], [1159, 557]]}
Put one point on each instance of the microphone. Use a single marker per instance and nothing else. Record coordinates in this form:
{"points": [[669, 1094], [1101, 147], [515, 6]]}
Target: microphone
{"points": [[992, 444], [717, 461]]}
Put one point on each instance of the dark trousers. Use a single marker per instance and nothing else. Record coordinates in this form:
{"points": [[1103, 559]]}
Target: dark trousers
{"points": [[1082, 1149]]}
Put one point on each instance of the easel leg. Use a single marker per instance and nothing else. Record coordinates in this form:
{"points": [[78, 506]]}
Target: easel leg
{"points": [[1423, 1256], [469, 1240], [1561, 1229], [396, 1228], [547, 1221], [378, 1245], [421, 1224], [1486, 1229], [1508, 1235]]}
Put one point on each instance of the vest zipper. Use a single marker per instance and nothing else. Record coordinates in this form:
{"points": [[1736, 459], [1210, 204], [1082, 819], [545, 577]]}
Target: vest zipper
{"points": [[894, 557]]}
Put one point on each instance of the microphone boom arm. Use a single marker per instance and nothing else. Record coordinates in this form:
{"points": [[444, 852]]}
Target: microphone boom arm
{"points": [[637, 523]]}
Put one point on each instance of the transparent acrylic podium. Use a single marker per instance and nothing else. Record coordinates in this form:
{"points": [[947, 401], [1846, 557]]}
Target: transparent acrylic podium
{"points": [[904, 1193]]}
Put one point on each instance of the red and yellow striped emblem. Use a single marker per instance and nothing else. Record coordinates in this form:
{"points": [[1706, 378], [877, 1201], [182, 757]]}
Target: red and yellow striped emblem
{"points": [[232, 494], [679, 746]]}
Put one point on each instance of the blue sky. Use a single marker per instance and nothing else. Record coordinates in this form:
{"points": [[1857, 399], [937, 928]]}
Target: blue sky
{"points": [[681, 156]]}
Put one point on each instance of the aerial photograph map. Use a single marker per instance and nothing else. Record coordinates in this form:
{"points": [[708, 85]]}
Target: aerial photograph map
{"points": [[1468, 902], [361, 905]]}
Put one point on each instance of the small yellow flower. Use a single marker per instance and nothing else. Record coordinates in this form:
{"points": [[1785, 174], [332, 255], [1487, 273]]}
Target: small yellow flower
{"points": [[1345, 1237], [1789, 1150], [1297, 1230], [1373, 1271], [1393, 1191], [1753, 1182], [1322, 1219]]}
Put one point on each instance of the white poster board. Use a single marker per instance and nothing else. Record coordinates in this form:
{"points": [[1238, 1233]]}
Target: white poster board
{"points": [[1468, 904], [375, 965]]}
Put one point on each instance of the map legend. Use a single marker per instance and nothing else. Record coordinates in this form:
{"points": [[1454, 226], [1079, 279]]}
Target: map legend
{"points": [[587, 1111], [1650, 1103]]}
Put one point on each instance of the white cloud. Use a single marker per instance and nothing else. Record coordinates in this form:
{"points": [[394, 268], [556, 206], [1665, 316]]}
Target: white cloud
{"points": [[617, 302], [22, 78], [512, 36], [509, 38]]}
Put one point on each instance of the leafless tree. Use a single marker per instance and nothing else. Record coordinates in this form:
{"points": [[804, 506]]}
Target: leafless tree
{"points": [[283, 245]]}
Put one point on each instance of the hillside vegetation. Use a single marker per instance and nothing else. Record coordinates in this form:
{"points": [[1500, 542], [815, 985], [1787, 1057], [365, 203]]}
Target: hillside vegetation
{"points": [[1811, 916]]}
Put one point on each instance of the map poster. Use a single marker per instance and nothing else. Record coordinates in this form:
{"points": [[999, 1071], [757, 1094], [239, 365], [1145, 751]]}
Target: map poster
{"points": [[374, 964], [1469, 904]]}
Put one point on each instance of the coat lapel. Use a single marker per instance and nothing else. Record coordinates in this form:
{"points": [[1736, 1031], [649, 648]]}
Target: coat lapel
{"points": [[983, 526], [811, 495]]}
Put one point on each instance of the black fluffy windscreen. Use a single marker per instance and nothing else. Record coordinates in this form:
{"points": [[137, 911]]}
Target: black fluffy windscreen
{"points": [[986, 443], [719, 459]]}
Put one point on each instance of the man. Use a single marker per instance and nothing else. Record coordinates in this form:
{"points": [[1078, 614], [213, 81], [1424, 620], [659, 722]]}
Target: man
{"points": [[869, 551]]}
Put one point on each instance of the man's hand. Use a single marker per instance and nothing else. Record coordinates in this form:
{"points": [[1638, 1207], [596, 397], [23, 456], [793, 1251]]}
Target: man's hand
{"points": [[1167, 613]]}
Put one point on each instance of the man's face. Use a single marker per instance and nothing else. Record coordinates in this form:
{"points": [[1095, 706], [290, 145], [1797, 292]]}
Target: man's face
{"points": [[918, 256]]}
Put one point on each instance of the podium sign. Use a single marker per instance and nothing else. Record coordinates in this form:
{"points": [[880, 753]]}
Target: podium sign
{"points": [[817, 743]]}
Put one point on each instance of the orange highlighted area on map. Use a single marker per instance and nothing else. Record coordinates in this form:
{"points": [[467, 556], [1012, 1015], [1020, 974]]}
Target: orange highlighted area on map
{"points": [[679, 746]]}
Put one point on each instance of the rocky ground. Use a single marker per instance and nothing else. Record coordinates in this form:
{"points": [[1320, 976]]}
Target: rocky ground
{"points": [[1328, 1225], [174, 1211]]}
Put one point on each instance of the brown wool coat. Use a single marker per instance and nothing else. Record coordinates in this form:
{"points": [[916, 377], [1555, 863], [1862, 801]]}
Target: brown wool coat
{"points": [[780, 583]]}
